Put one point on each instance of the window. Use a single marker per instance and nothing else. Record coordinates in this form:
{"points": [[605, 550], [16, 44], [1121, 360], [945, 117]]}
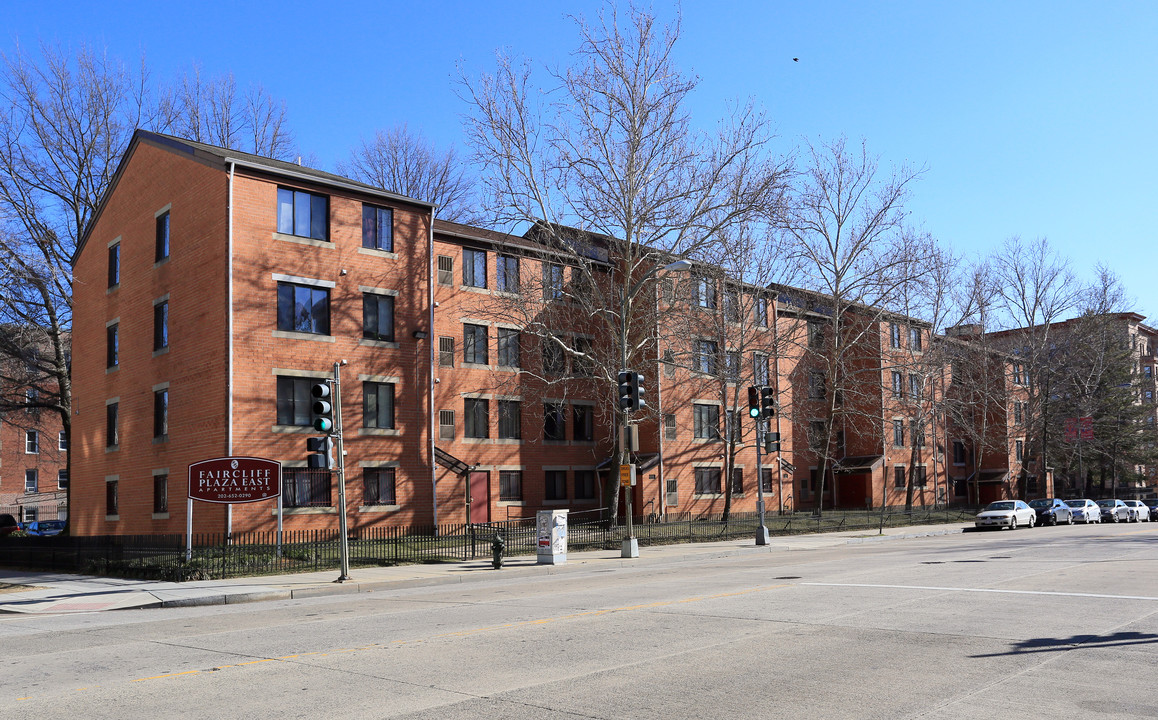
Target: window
{"points": [[1031, 484], [583, 361], [477, 417], [584, 484], [446, 424], [446, 352], [552, 281], [958, 452], [761, 311], [474, 344], [760, 369], [31, 481], [673, 494], [554, 421], [162, 244], [706, 293], [112, 438], [960, 487], [555, 484], [894, 335], [114, 265], [737, 481], [554, 362], [706, 351], [445, 270], [669, 426], [915, 339], [507, 273], [816, 385], [1017, 374], [813, 481], [766, 480], [161, 415], [303, 308], [29, 514], [62, 441], [706, 422], [111, 499], [915, 386], [294, 402], [732, 365], [899, 476], [899, 433], [378, 317], [62, 479], [584, 422], [302, 213], [816, 436], [31, 442], [898, 385], [508, 347], [917, 433], [1148, 372], [474, 268], [732, 304], [667, 290], [161, 325], [510, 420], [510, 485], [668, 363], [306, 487], [378, 486], [919, 477], [815, 335], [161, 493], [377, 228], [378, 405], [707, 481], [112, 346], [1019, 449]]}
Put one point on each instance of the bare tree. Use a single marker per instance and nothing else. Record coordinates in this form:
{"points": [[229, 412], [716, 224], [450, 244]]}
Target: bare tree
{"points": [[846, 221], [406, 163], [213, 111], [612, 153]]}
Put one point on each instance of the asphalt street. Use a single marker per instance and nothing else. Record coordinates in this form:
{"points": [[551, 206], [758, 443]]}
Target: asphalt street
{"points": [[1032, 623]]}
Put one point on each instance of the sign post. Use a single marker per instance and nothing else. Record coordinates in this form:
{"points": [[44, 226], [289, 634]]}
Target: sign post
{"points": [[230, 480]]}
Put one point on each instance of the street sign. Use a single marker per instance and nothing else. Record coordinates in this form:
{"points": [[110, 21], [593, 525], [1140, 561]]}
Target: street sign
{"points": [[234, 480], [626, 475]]}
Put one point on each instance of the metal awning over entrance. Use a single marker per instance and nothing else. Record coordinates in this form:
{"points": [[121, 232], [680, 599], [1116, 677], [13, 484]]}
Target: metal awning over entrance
{"points": [[855, 464], [643, 461], [450, 462], [993, 477]]}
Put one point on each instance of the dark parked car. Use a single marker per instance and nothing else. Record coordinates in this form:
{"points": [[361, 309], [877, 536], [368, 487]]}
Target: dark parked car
{"points": [[1115, 510], [1052, 511], [8, 525], [44, 528], [1152, 503]]}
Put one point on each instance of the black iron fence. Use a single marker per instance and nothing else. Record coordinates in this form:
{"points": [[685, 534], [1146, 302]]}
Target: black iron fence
{"points": [[162, 557]]}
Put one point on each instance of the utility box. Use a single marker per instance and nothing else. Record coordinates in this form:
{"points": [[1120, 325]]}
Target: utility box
{"points": [[551, 536]]}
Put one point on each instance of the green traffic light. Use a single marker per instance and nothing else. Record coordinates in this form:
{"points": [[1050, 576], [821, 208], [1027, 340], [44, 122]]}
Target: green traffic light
{"points": [[323, 424], [754, 412]]}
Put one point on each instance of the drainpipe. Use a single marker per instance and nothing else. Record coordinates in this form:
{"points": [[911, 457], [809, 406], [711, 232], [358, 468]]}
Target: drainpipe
{"points": [[776, 385], [229, 354], [430, 342]]}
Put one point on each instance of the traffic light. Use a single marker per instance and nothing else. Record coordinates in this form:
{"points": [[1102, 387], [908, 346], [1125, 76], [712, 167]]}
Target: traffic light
{"points": [[323, 409], [322, 453], [753, 402], [771, 442], [767, 402], [631, 391]]}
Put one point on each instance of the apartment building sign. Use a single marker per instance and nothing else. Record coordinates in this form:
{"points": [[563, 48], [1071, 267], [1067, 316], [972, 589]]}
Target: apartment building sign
{"points": [[234, 480]]}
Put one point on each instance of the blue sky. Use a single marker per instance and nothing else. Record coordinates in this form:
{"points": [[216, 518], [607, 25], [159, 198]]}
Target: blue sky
{"points": [[1032, 118]]}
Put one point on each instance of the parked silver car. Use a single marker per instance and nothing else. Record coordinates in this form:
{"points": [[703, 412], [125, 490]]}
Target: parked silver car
{"points": [[1141, 510], [1006, 514], [1052, 511], [1115, 510], [1086, 511]]}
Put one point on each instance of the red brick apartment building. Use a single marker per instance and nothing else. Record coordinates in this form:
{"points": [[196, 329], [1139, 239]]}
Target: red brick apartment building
{"points": [[213, 288], [33, 466]]}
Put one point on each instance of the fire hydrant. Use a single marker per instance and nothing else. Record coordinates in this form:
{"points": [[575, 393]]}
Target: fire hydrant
{"points": [[497, 547]]}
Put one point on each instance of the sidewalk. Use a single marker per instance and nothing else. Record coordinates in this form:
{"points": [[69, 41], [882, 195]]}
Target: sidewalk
{"points": [[58, 593]]}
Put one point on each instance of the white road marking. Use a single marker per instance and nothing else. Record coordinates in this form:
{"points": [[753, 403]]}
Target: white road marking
{"points": [[985, 590]]}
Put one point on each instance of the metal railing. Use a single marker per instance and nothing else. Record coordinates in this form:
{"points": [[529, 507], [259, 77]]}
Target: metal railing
{"points": [[162, 557]]}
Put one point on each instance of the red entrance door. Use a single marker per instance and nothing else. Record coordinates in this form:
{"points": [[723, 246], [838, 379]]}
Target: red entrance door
{"points": [[480, 495]]}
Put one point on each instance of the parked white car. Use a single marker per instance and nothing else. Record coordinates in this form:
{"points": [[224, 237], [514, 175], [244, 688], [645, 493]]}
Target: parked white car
{"points": [[1085, 510], [1006, 514], [1141, 510]]}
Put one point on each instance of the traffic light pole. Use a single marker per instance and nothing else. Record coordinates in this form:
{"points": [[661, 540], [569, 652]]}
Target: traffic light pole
{"points": [[340, 466], [761, 530]]}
